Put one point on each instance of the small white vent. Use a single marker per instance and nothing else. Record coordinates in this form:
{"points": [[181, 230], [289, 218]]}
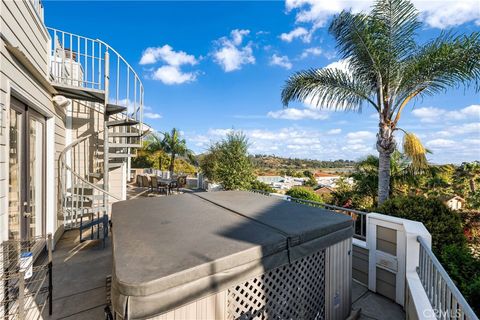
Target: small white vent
{"points": [[295, 291]]}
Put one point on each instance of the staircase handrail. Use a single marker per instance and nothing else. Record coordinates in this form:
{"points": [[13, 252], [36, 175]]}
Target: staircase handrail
{"points": [[66, 166]]}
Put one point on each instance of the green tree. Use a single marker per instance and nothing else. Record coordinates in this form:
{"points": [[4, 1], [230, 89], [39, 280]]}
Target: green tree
{"points": [[234, 169], [304, 193], [387, 69], [174, 145], [444, 225], [261, 186]]}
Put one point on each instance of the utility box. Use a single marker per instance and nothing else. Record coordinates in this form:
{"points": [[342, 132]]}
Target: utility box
{"points": [[229, 255]]}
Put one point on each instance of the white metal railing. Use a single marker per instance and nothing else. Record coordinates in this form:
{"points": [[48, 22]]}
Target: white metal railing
{"points": [[446, 299], [78, 196], [92, 65], [359, 217]]}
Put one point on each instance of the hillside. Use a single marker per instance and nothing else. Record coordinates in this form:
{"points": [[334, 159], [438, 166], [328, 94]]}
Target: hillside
{"points": [[270, 164]]}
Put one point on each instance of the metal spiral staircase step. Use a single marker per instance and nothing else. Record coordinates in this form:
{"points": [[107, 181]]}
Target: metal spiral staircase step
{"points": [[122, 122], [120, 155], [124, 145], [80, 93], [114, 109], [124, 135]]}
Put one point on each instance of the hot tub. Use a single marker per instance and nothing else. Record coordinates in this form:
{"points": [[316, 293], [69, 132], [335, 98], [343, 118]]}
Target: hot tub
{"points": [[229, 255]]}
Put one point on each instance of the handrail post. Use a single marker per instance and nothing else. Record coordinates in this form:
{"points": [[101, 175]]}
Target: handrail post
{"points": [[105, 131]]}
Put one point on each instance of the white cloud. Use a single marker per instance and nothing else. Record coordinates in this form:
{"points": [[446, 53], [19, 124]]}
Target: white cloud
{"points": [[314, 51], [281, 61], [334, 131], [440, 143], [170, 73], [435, 13], [173, 75], [314, 14], [341, 64], [230, 55], [152, 115], [360, 135], [299, 32], [434, 115], [168, 55], [298, 114]]}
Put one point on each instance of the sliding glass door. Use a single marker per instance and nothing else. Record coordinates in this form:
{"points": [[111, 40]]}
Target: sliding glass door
{"points": [[26, 213]]}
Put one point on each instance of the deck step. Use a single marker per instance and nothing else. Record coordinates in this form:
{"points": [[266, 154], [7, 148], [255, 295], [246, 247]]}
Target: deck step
{"points": [[80, 93], [123, 122], [114, 109]]}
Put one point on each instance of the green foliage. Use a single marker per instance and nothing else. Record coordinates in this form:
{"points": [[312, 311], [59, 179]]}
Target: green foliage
{"points": [[444, 225], [261, 186], [232, 166], [141, 161], [304, 193], [464, 270], [208, 163]]}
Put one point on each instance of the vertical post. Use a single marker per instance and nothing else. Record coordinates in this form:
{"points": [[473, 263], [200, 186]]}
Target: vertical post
{"points": [[50, 275], [21, 295], [105, 131]]}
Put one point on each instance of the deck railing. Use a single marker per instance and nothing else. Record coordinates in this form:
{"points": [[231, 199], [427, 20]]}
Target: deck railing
{"points": [[359, 217], [444, 296]]}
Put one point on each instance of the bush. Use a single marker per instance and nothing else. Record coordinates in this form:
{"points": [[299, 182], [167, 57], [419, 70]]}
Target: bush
{"points": [[464, 270], [304, 193], [444, 225], [261, 186]]}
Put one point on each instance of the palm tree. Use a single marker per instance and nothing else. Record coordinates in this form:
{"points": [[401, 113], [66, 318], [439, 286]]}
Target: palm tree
{"points": [[153, 145], [386, 70], [174, 145]]}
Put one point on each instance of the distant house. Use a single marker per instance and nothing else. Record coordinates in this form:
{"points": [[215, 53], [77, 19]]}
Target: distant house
{"points": [[453, 202], [281, 183], [329, 180], [324, 190]]}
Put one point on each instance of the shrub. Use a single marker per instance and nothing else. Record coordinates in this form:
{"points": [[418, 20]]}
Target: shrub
{"points": [[304, 193], [444, 225], [464, 270], [261, 186]]}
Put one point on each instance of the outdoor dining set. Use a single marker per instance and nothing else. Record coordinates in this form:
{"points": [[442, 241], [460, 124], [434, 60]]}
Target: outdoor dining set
{"points": [[161, 185]]}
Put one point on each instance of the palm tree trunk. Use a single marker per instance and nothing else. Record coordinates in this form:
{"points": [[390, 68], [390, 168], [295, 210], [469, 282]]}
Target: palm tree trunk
{"points": [[383, 176], [473, 188], [172, 164], [385, 147]]}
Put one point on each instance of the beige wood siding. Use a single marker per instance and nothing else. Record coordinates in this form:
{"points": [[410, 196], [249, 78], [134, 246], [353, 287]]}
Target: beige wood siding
{"points": [[387, 240], [360, 265], [386, 283], [21, 28]]}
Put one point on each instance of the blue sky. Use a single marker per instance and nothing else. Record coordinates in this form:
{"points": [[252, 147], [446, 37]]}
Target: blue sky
{"points": [[209, 67]]}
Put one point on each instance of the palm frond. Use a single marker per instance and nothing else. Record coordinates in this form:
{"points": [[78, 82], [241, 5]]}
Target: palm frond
{"points": [[327, 88], [446, 62], [415, 151]]}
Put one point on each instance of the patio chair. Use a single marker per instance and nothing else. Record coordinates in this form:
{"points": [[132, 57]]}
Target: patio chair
{"points": [[162, 186], [145, 181], [181, 182], [153, 183]]}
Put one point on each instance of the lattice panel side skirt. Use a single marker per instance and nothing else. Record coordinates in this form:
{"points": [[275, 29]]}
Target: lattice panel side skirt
{"points": [[295, 291]]}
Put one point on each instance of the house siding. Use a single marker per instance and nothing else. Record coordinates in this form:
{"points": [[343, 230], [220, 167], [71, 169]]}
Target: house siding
{"points": [[21, 28]]}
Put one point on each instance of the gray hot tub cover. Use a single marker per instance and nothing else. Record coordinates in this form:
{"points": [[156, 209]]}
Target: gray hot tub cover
{"points": [[173, 250]]}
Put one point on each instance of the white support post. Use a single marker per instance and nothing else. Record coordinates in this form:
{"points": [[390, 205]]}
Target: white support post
{"points": [[407, 251]]}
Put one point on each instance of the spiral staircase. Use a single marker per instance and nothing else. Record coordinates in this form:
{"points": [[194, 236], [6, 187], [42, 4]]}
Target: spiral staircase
{"points": [[103, 100]]}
